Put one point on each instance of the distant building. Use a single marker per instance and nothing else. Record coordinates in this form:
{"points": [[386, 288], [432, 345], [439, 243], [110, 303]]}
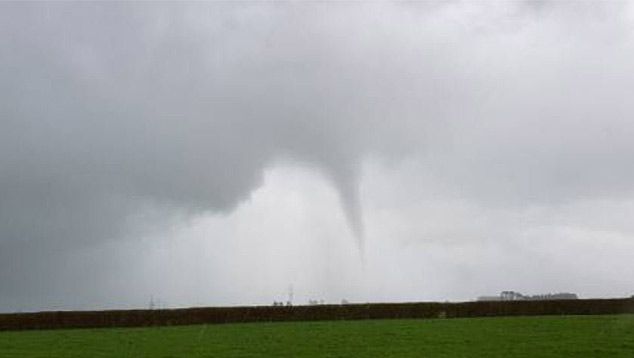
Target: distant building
{"points": [[503, 296], [516, 296], [554, 296]]}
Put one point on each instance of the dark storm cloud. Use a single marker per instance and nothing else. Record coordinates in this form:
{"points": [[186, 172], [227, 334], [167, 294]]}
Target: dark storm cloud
{"points": [[113, 110], [111, 107]]}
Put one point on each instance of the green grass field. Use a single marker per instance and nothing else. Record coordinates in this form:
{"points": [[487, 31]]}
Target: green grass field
{"points": [[554, 336]]}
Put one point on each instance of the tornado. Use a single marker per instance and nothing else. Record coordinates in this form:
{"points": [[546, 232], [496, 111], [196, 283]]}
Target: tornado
{"points": [[346, 183]]}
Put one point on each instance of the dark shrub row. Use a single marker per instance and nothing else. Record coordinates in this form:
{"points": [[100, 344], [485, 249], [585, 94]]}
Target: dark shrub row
{"points": [[139, 318]]}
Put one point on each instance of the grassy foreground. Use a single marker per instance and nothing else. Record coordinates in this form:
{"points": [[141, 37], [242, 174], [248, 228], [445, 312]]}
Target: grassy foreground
{"points": [[559, 336]]}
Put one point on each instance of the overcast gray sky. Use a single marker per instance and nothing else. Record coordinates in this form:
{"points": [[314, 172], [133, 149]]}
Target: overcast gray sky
{"points": [[217, 153]]}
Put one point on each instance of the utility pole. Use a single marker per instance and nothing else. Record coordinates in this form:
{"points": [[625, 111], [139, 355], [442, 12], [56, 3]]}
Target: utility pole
{"points": [[290, 295]]}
